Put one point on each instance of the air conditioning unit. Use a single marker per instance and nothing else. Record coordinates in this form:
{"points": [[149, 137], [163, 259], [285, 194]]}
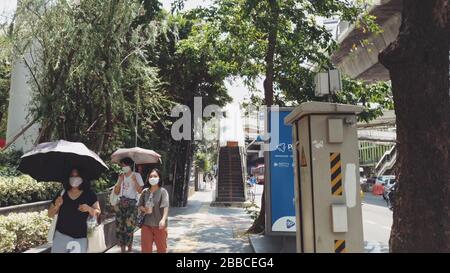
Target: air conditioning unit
{"points": [[335, 81], [321, 84], [327, 83]]}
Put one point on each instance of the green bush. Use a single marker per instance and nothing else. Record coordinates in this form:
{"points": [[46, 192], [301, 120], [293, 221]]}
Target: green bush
{"points": [[102, 185], [24, 189], [9, 161], [253, 211], [22, 231]]}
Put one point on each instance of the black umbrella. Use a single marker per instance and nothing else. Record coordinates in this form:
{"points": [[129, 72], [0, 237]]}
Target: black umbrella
{"points": [[53, 161]]}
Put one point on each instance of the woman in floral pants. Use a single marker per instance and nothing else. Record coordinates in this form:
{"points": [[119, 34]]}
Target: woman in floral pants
{"points": [[128, 186], [126, 222]]}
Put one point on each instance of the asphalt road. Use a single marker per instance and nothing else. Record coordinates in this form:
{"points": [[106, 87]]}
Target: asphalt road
{"points": [[377, 222]]}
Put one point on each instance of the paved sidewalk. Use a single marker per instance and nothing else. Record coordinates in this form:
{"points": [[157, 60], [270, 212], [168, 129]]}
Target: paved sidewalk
{"points": [[199, 228]]}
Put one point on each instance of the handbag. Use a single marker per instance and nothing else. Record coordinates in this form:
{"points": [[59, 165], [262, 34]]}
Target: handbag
{"points": [[51, 231], [96, 240], [140, 219], [113, 198]]}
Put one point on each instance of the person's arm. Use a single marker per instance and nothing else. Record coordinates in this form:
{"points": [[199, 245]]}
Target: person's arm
{"points": [[165, 204], [54, 207], [94, 208], [118, 184], [93, 211], [162, 223]]}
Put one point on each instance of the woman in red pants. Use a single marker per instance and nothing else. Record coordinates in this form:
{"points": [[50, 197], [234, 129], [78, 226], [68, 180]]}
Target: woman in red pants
{"points": [[154, 203]]}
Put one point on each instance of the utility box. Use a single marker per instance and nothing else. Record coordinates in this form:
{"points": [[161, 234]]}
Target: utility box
{"points": [[327, 191]]}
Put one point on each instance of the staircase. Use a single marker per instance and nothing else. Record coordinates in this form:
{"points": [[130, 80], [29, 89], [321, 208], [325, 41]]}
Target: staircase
{"points": [[386, 162], [230, 185]]}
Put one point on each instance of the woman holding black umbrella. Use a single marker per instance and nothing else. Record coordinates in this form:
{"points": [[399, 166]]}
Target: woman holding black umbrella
{"points": [[73, 208], [54, 162]]}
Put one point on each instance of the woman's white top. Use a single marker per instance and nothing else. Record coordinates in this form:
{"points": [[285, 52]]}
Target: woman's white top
{"points": [[128, 189]]}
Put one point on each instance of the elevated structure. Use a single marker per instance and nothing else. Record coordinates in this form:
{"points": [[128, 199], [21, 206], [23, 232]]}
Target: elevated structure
{"points": [[361, 61]]}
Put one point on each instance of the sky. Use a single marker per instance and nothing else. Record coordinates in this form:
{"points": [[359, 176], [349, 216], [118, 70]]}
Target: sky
{"points": [[237, 90]]}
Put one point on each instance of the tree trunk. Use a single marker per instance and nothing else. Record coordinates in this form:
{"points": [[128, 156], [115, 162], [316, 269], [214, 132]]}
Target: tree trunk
{"points": [[418, 63], [270, 54], [197, 181], [181, 179], [187, 173], [260, 223]]}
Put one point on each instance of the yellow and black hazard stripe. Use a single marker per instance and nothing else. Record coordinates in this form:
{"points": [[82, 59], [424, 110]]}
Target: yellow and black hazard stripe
{"points": [[339, 246], [336, 174]]}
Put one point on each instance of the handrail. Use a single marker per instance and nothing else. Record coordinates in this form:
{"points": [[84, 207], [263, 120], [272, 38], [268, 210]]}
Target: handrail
{"points": [[387, 157], [389, 164]]}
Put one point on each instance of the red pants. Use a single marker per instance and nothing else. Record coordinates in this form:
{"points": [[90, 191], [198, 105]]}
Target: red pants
{"points": [[156, 235]]}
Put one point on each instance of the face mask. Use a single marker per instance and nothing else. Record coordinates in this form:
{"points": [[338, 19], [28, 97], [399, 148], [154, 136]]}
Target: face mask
{"points": [[75, 182], [126, 169], [153, 181]]}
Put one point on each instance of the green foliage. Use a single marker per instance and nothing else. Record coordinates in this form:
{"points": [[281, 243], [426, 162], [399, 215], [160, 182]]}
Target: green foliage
{"points": [[24, 189], [201, 162], [21, 231], [102, 185], [9, 161], [103, 67], [5, 76], [252, 210], [374, 97], [299, 38], [188, 67], [92, 75]]}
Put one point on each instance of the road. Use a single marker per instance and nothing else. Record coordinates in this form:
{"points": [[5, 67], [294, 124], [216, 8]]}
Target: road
{"points": [[377, 222]]}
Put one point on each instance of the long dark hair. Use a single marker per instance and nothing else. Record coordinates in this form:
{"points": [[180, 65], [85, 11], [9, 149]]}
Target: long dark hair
{"points": [[86, 185], [160, 183]]}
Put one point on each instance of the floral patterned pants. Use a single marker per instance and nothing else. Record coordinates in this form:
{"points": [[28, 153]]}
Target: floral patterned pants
{"points": [[126, 214]]}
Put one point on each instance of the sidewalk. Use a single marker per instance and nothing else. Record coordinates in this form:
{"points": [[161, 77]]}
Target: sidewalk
{"points": [[199, 228]]}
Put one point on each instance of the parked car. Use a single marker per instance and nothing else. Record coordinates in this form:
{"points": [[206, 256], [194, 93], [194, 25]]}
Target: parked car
{"points": [[385, 179]]}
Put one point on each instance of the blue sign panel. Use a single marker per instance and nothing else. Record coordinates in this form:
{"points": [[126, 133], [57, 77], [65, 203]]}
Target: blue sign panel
{"points": [[281, 172]]}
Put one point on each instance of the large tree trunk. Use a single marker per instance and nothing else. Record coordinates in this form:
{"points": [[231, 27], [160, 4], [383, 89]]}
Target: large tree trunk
{"points": [[418, 62], [260, 223]]}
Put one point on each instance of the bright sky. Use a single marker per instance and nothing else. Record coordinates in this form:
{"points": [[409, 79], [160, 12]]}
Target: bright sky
{"points": [[7, 7]]}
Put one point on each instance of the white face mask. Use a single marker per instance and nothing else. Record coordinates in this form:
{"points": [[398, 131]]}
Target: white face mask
{"points": [[75, 182], [126, 169], [154, 181]]}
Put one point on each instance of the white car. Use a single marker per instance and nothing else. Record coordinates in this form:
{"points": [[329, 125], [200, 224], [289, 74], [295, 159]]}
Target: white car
{"points": [[385, 180]]}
